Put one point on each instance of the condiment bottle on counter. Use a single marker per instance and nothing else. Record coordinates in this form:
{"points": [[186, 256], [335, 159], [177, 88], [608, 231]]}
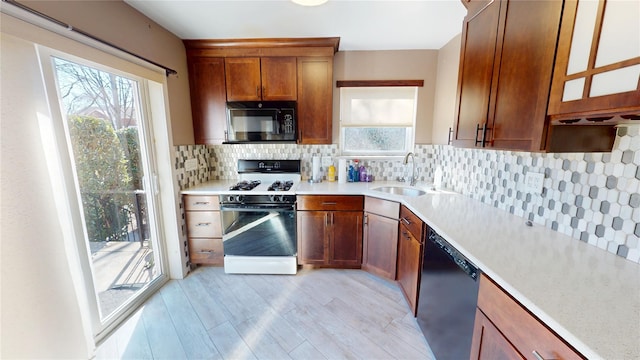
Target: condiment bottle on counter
{"points": [[331, 173]]}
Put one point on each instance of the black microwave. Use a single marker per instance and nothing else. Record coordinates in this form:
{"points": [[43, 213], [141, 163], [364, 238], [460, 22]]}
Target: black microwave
{"points": [[261, 121]]}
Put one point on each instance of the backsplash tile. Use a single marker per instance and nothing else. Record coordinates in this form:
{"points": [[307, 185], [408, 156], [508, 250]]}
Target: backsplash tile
{"points": [[592, 197]]}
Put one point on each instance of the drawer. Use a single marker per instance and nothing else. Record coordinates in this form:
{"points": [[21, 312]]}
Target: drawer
{"points": [[522, 329], [206, 251], [412, 222], [201, 202], [330, 202], [203, 224], [390, 209]]}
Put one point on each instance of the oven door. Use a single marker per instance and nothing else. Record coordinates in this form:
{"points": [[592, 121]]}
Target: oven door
{"points": [[259, 230]]}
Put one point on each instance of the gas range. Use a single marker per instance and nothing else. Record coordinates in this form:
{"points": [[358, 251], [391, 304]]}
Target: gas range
{"points": [[259, 218]]}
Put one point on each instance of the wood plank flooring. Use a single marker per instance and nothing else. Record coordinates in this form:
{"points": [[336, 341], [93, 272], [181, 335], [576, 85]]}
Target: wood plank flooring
{"points": [[316, 314]]}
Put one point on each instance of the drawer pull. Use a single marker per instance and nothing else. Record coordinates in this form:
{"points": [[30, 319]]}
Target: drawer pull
{"points": [[329, 203], [406, 235], [203, 224], [201, 203], [206, 251], [404, 220], [538, 356]]}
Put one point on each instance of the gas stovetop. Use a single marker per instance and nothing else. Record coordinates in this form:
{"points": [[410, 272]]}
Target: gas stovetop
{"points": [[266, 177]]}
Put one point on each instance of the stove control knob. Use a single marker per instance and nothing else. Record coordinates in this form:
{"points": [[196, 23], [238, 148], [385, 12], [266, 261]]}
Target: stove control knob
{"points": [[230, 198], [240, 198], [277, 198]]}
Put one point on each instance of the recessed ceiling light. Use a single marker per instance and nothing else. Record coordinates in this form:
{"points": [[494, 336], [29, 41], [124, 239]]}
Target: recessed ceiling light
{"points": [[309, 2]]}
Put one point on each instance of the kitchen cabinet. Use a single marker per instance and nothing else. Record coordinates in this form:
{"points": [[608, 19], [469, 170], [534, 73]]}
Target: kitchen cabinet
{"points": [[275, 69], [204, 229], [315, 100], [504, 329], [208, 99], [329, 230], [597, 70], [507, 57], [261, 79], [410, 255], [380, 237]]}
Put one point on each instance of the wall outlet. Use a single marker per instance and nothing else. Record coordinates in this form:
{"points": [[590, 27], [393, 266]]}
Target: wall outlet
{"points": [[191, 164], [326, 161], [533, 182]]}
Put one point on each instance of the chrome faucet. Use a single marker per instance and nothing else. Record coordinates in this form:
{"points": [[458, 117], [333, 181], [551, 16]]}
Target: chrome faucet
{"points": [[413, 178]]}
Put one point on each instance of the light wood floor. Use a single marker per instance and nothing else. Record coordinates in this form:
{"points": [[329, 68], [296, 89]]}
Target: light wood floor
{"points": [[316, 314]]}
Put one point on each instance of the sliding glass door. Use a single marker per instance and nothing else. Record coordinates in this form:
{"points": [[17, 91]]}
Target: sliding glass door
{"points": [[105, 118]]}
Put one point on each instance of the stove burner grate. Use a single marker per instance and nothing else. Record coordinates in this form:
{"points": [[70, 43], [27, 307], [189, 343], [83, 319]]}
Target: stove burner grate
{"points": [[245, 185], [280, 186]]}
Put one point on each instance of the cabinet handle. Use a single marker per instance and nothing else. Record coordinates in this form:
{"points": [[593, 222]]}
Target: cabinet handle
{"points": [[329, 203], [366, 219], [203, 224], [406, 235], [201, 203], [404, 220], [484, 129], [450, 137], [204, 251], [537, 355]]}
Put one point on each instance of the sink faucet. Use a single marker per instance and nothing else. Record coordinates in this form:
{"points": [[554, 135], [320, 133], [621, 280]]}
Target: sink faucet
{"points": [[413, 167]]}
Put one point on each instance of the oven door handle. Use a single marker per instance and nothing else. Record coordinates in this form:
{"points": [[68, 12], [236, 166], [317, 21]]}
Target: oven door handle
{"points": [[257, 207]]}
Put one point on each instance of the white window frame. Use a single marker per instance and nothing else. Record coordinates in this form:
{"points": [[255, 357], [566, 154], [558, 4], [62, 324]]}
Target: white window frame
{"points": [[350, 118]]}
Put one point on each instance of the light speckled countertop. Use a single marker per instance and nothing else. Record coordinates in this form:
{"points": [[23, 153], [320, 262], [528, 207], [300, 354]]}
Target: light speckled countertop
{"points": [[590, 297]]}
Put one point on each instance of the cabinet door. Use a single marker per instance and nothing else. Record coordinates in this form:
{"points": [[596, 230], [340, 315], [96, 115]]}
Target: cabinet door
{"points": [[479, 34], [315, 100], [312, 237], [345, 243], [380, 245], [521, 328], [597, 70], [279, 78], [517, 112], [409, 266], [488, 343], [243, 79], [208, 99]]}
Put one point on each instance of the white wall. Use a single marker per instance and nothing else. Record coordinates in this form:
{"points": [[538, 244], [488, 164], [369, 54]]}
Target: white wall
{"points": [[446, 90], [41, 316]]}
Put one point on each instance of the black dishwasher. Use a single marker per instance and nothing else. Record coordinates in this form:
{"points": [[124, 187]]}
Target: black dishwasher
{"points": [[448, 297]]}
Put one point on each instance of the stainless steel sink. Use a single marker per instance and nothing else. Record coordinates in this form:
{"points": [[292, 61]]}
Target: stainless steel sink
{"points": [[400, 190]]}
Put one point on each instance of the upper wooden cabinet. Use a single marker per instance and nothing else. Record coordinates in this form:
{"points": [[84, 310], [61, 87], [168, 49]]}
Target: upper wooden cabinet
{"points": [[315, 100], [257, 79], [508, 50], [597, 71], [208, 99], [298, 69]]}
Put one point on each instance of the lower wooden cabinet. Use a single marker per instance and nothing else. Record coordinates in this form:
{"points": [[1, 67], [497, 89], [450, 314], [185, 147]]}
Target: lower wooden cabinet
{"points": [[204, 229], [380, 242], [506, 330], [410, 254], [330, 230]]}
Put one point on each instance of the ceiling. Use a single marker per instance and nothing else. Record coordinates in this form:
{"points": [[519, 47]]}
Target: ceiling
{"points": [[360, 24]]}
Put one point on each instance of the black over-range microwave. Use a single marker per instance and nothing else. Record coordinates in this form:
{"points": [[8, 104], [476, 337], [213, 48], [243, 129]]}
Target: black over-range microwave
{"points": [[261, 121]]}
